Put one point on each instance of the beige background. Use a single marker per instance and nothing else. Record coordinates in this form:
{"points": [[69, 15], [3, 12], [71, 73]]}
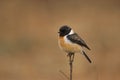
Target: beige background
{"points": [[28, 39]]}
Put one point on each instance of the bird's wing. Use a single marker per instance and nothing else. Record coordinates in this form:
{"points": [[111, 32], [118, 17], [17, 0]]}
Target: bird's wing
{"points": [[77, 39]]}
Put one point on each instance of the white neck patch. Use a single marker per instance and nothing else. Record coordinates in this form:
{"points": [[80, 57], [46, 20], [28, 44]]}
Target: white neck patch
{"points": [[71, 32]]}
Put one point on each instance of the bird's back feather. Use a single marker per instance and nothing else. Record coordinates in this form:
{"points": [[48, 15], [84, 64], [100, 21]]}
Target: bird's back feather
{"points": [[77, 39]]}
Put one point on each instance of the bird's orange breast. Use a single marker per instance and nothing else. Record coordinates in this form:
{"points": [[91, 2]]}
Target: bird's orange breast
{"points": [[68, 46]]}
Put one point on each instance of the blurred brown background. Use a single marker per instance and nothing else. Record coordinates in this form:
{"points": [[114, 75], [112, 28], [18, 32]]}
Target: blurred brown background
{"points": [[28, 39]]}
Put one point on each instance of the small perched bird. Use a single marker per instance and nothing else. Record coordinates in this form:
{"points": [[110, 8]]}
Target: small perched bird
{"points": [[70, 42]]}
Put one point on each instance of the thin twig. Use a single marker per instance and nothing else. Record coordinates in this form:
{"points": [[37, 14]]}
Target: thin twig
{"points": [[71, 59]]}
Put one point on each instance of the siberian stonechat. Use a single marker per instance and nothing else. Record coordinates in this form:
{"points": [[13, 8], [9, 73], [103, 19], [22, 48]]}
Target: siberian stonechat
{"points": [[71, 42]]}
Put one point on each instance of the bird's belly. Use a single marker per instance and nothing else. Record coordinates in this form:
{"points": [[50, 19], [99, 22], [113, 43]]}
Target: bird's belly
{"points": [[69, 47]]}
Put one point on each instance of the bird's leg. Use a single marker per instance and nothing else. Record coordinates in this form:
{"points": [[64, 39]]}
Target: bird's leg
{"points": [[71, 55]]}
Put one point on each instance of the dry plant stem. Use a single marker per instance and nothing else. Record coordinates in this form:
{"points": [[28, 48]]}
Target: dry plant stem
{"points": [[64, 75], [71, 59]]}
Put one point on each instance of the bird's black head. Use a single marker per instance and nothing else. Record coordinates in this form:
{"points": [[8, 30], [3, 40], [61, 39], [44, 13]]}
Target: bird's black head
{"points": [[64, 30]]}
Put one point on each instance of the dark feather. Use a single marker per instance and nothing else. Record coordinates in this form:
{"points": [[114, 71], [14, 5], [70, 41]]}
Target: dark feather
{"points": [[77, 39], [86, 57]]}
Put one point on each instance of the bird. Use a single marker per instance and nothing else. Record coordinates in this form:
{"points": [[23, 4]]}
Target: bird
{"points": [[71, 42]]}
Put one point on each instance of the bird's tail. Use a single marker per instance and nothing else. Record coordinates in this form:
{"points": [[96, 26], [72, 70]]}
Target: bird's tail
{"points": [[86, 57]]}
